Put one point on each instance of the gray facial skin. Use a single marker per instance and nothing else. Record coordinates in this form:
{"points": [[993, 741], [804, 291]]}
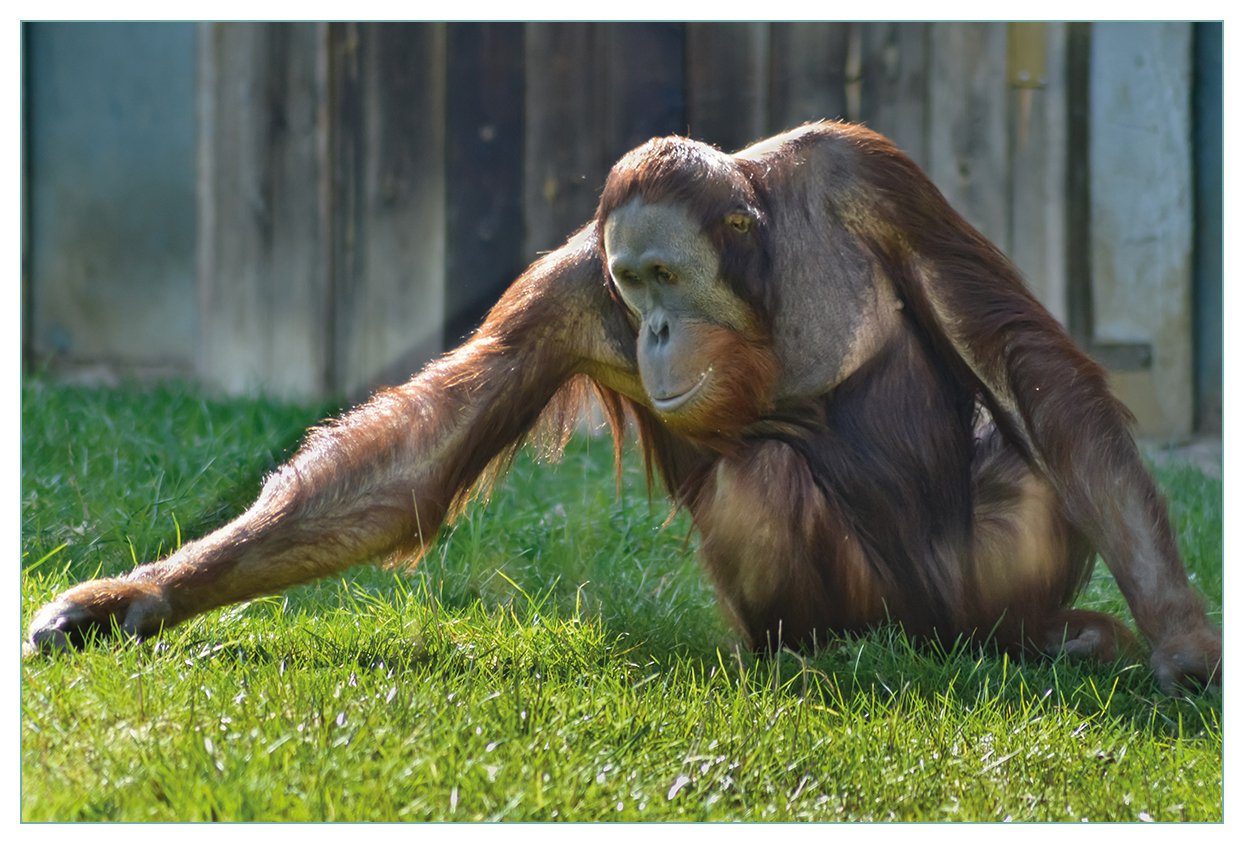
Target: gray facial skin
{"points": [[666, 271]]}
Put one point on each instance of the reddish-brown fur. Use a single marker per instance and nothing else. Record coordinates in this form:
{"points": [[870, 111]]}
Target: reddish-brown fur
{"points": [[741, 393], [952, 467]]}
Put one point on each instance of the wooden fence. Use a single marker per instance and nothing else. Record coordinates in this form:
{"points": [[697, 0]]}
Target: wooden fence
{"points": [[365, 191]]}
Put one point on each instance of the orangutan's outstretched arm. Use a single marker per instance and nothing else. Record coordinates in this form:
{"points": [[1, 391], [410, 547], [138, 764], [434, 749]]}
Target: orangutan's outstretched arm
{"points": [[382, 478]]}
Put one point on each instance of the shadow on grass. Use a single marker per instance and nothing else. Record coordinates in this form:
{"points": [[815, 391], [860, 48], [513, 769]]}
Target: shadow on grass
{"points": [[875, 672]]}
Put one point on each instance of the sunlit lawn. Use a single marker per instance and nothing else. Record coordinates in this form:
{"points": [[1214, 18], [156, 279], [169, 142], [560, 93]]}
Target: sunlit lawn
{"points": [[558, 656]]}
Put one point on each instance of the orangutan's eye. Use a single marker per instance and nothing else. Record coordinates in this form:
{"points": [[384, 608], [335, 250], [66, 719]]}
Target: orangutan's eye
{"points": [[740, 222]]}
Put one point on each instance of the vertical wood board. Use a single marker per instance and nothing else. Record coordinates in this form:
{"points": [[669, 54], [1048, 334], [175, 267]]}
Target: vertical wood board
{"points": [[1207, 106], [895, 84], [727, 83], [563, 161], [644, 84], [968, 123], [1038, 135], [264, 286], [1141, 205], [808, 73], [388, 199], [483, 161]]}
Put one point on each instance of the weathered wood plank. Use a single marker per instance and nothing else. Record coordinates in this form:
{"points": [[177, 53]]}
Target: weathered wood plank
{"points": [[968, 123], [727, 82], [563, 162], [27, 315], [1207, 88], [1078, 253], [1142, 210], [644, 87], [387, 124], [484, 179], [1038, 135], [808, 73], [895, 98], [263, 273]]}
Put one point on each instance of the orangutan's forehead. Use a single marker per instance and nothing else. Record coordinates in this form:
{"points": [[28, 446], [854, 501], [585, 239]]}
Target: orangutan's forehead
{"points": [[665, 224]]}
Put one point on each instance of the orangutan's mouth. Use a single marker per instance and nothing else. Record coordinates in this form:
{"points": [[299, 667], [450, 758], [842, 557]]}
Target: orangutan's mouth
{"points": [[668, 404]]}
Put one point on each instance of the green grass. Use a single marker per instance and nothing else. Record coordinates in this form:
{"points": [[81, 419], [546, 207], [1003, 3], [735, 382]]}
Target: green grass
{"points": [[557, 656]]}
